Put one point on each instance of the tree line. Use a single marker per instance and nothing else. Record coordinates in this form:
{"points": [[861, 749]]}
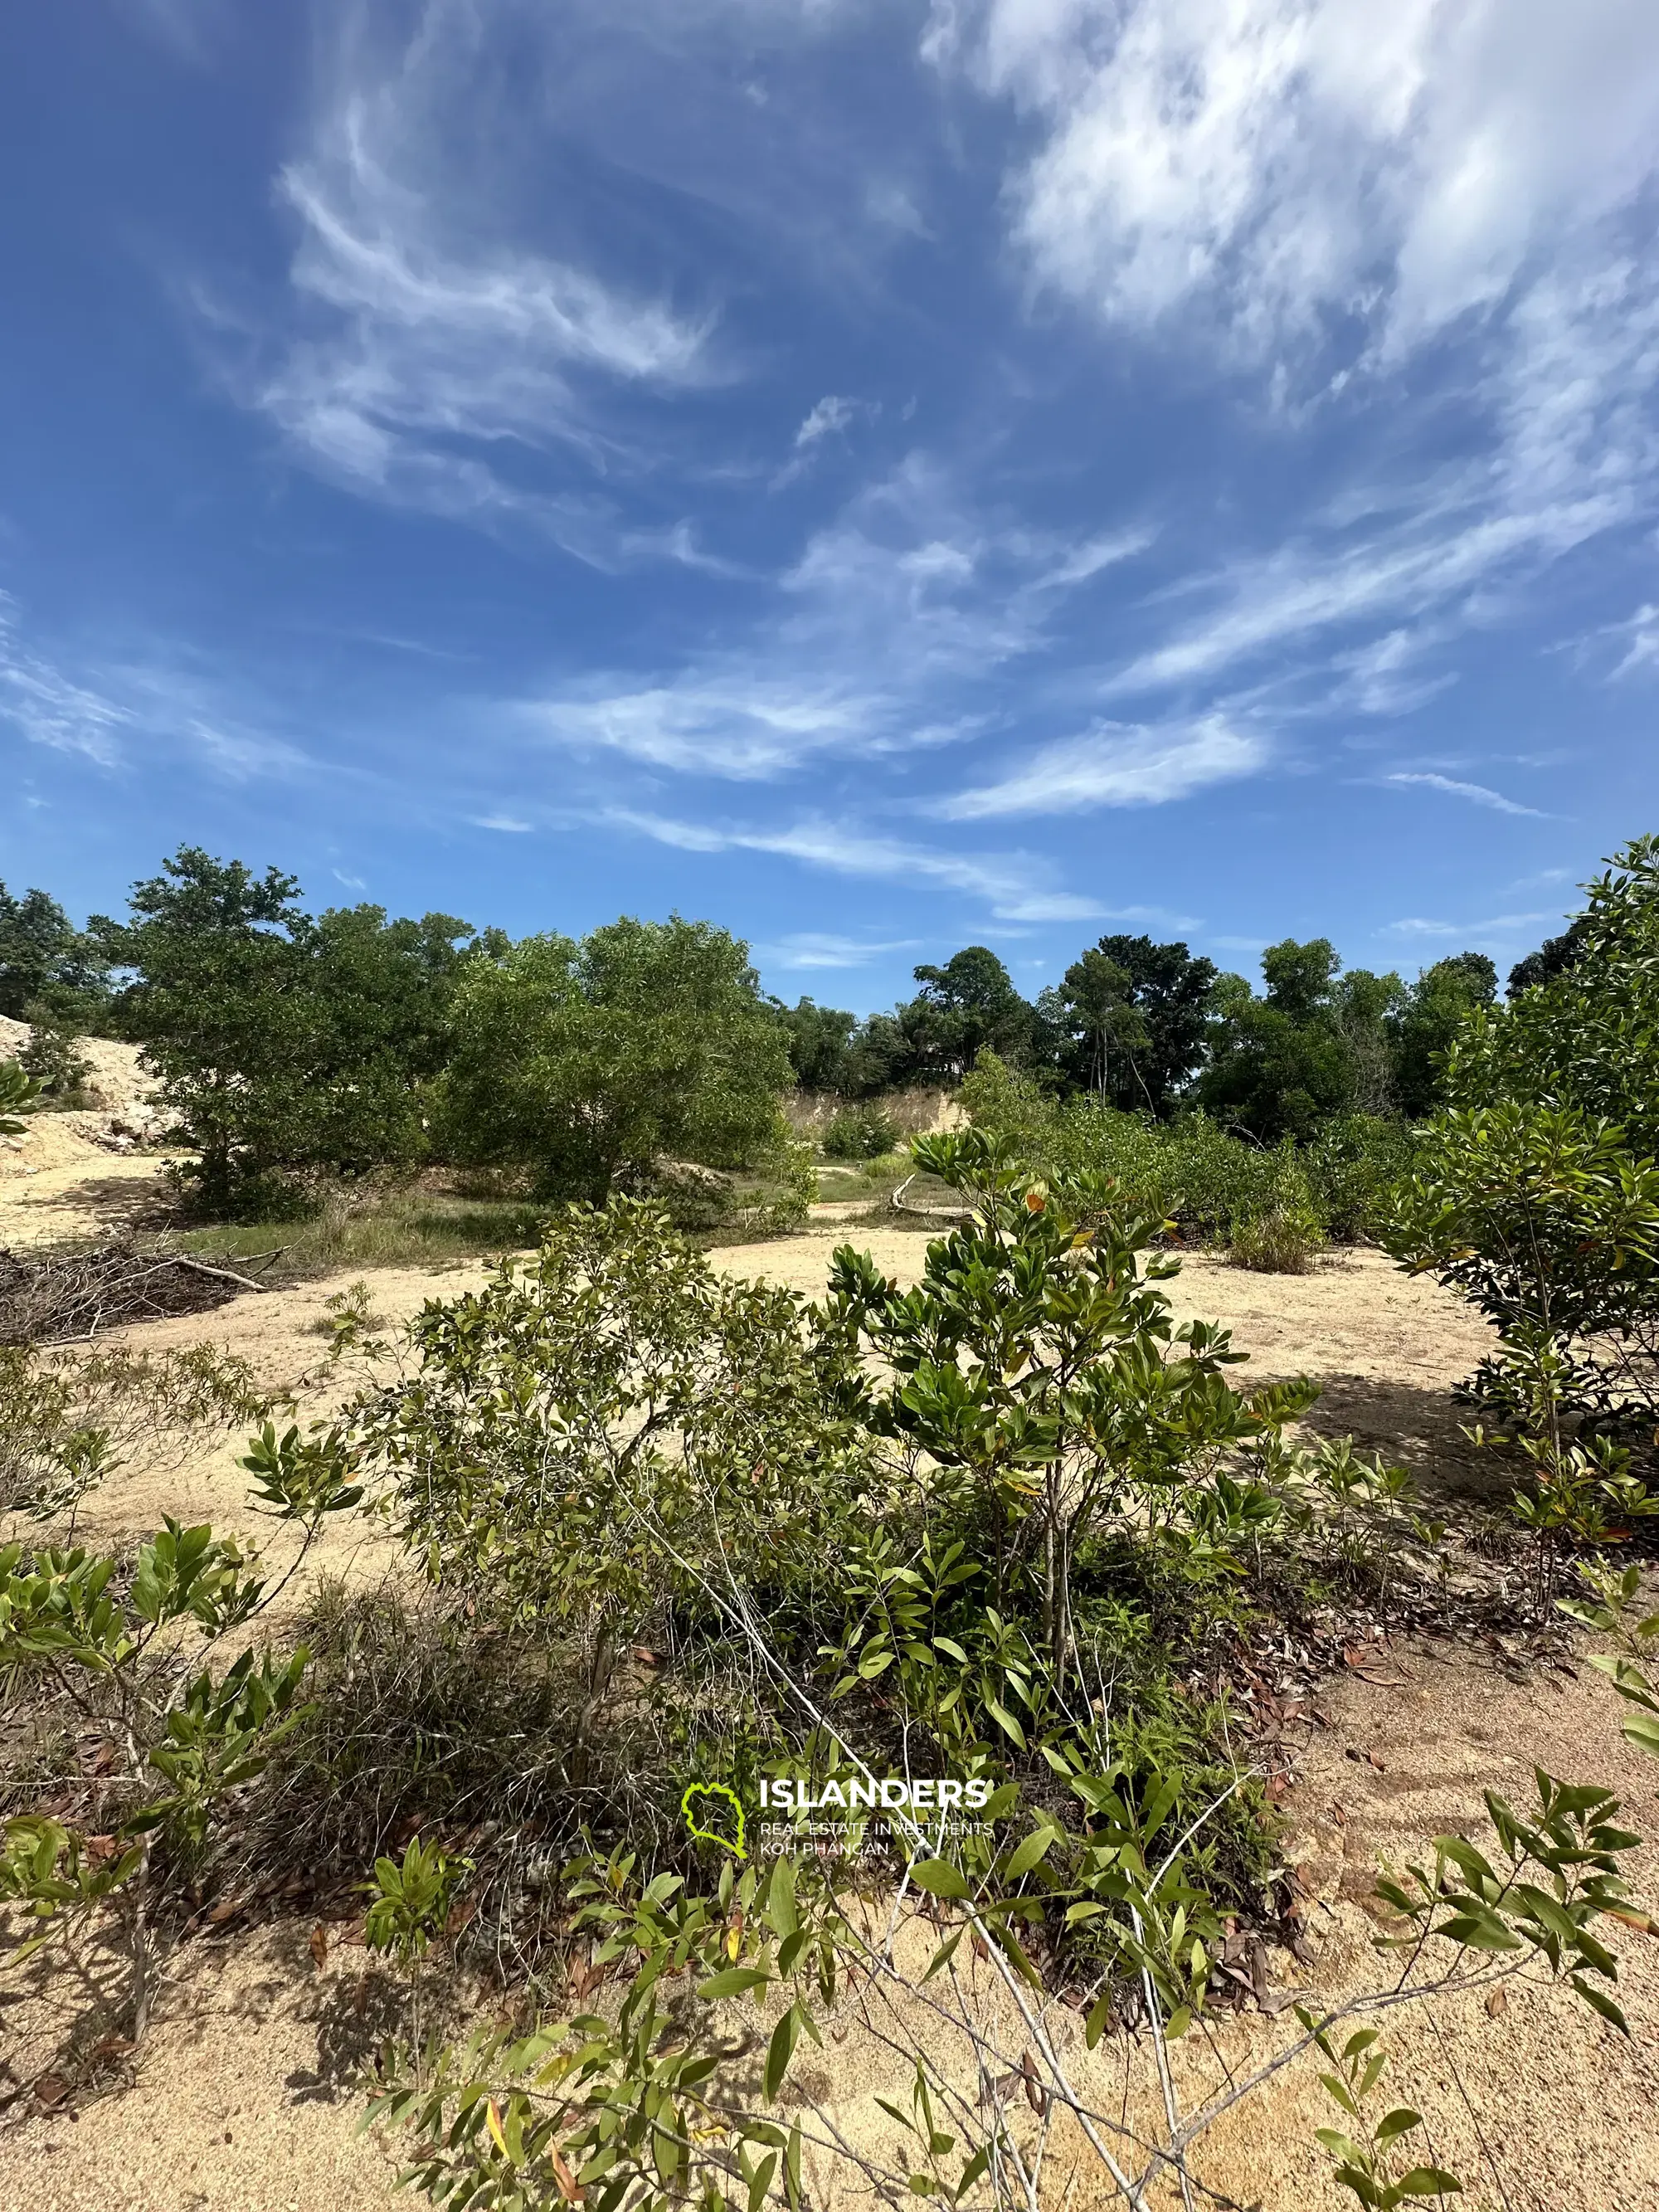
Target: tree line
{"points": [[1153, 1029], [286, 1042]]}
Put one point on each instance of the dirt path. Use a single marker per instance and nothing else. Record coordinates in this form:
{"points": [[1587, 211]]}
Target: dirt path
{"points": [[240, 2099]]}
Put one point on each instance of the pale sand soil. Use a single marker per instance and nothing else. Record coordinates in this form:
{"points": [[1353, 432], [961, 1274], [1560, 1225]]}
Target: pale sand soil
{"points": [[246, 2042]]}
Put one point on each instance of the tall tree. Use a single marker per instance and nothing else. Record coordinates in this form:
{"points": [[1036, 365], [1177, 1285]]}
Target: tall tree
{"points": [[1280, 1065], [281, 1042], [1170, 993], [965, 1006], [46, 963], [1099, 996], [818, 1039], [1429, 1016]]}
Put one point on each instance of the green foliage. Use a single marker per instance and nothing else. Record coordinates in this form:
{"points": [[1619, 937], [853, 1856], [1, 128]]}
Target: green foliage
{"points": [[281, 1042], [185, 1740], [865, 1133], [1215, 1186], [46, 965], [20, 1093], [1282, 1238], [1427, 1022], [66, 1422], [1614, 1609], [52, 1058], [818, 1039], [592, 1061], [1376, 2169], [409, 1900], [1547, 1223], [1279, 1065], [1128, 1023], [1588, 1036]]}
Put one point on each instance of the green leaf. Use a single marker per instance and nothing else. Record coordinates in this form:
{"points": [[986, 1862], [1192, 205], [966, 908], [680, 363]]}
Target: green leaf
{"points": [[1429, 2181], [940, 1878], [1035, 1847], [781, 2049], [1398, 2122], [732, 1982]]}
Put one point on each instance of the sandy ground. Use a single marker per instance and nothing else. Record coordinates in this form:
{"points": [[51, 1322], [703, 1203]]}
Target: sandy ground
{"points": [[71, 1176], [240, 2099]]}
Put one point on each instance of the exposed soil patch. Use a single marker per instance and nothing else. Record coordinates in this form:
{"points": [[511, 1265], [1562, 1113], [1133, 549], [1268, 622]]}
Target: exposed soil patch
{"points": [[240, 2098]]}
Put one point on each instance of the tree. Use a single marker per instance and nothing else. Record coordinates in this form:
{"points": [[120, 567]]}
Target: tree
{"points": [[1362, 1006], [1423, 1025], [281, 1042], [1279, 1065], [1098, 995], [1587, 1035], [1165, 1002], [1552, 958], [818, 1039], [1536, 1192], [594, 1060], [45, 961], [968, 1003], [219, 1005]]}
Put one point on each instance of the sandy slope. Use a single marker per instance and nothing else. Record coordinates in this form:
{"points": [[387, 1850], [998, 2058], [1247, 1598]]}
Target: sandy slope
{"points": [[238, 2100]]}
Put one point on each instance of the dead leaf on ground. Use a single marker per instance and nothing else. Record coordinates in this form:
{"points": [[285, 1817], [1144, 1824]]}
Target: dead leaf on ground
{"points": [[52, 2090], [1498, 2003], [319, 1945]]}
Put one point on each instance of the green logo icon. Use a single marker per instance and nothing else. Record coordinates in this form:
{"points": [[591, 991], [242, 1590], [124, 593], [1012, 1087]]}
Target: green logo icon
{"points": [[693, 1813]]}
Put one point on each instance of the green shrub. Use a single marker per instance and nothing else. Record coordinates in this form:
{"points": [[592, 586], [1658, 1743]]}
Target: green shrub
{"points": [[52, 1058], [861, 1132]]}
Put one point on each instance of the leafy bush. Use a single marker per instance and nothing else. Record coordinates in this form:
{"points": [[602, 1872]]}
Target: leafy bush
{"points": [[864, 1132], [591, 1062], [1282, 1238], [52, 1058]]}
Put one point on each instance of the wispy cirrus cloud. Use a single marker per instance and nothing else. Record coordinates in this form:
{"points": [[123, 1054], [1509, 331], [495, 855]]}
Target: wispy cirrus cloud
{"points": [[1272, 168], [128, 707], [1343, 202], [50, 708], [1498, 926], [1015, 886], [436, 359], [1479, 794], [898, 613], [1117, 764], [809, 949]]}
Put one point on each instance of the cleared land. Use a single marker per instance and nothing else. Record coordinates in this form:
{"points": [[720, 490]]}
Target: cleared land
{"points": [[241, 2097]]}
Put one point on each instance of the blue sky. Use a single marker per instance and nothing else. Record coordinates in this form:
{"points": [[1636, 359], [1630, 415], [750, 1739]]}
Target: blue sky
{"points": [[883, 474]]}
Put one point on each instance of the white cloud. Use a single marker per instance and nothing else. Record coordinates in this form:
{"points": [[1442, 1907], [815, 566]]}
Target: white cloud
{"points": [[50, 708], [1639, 637], [1325, 189], [896, 617], [811, 948], [1497, 925], [123, 703], [1117, 765], [831, 415], [508, 824], [1016, 887], [1282, 164], [1479, 793], [434, 351]]}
